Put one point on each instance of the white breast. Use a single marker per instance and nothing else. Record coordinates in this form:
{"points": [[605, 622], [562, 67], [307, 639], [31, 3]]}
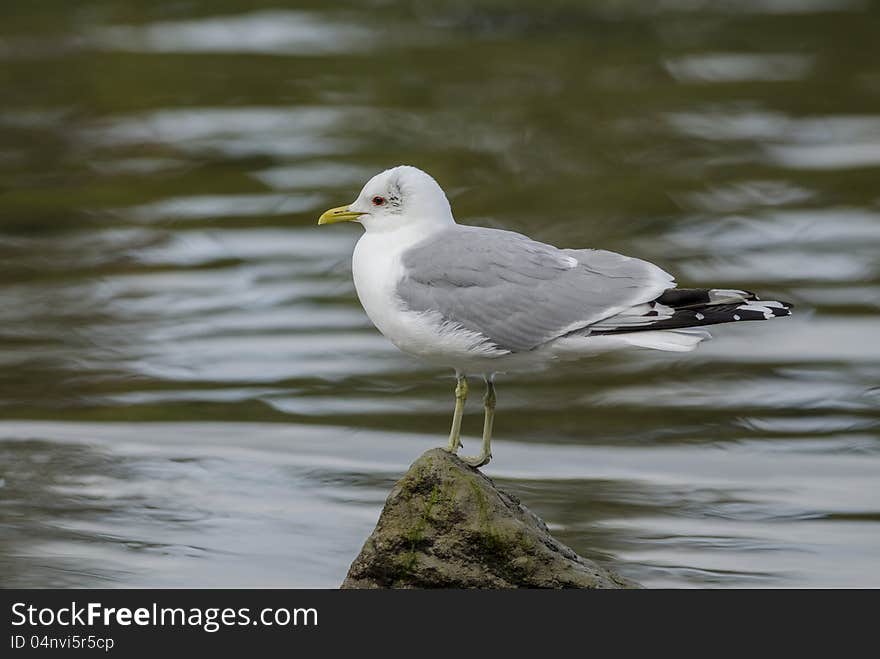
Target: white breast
{"points": [[376, 271]]}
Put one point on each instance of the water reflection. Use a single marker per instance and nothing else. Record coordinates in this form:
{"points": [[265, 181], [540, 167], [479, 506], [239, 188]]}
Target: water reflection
{"points": [[265, 32], [735, 67], [185, 500], [237, 133]]}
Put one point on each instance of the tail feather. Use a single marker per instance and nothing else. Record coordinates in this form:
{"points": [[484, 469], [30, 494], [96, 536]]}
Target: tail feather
{"points": [[681, 308], [684, 298]]}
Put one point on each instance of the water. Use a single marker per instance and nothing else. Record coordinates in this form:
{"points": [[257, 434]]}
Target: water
{"points": [[190, 393]]}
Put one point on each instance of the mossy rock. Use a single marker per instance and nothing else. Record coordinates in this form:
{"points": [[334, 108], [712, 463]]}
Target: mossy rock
{"points": [[446, 525]]}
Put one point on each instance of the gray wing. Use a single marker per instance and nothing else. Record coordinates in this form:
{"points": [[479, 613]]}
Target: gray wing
{"points": [[520, 293]]}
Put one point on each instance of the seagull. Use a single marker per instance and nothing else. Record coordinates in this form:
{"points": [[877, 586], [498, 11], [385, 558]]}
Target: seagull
{"points": [[487, 301]]}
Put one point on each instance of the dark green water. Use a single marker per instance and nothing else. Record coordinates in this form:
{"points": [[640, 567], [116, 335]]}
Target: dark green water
{"points": [[190, 393]]}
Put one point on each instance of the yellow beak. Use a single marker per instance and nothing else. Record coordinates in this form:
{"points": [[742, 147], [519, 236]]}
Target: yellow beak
{"points": [[340, 214]]}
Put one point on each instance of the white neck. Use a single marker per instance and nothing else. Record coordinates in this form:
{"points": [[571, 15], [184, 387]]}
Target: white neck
{"points": [[404, 235]]}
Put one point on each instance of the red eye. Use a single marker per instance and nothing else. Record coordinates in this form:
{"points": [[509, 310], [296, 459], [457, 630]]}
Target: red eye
{"points": [[378, 201]]}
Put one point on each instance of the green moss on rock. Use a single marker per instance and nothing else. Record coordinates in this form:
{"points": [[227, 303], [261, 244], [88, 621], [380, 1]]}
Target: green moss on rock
{"points": [[446, 524]]}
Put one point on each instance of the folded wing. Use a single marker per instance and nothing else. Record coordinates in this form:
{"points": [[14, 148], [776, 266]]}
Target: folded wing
{"points": [[520, 293]]}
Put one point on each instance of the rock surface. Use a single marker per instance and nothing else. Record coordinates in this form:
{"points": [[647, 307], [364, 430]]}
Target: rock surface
{"points": [[446, 525]]}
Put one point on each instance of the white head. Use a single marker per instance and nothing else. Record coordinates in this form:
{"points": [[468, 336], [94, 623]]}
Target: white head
{"points": [[396, 198]]}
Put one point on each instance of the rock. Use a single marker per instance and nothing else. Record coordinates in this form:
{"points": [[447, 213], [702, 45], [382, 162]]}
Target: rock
{"points": [[446, 525]]}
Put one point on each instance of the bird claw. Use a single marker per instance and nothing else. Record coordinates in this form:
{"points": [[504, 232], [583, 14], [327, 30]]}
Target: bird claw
{"points": [[477, 461]]}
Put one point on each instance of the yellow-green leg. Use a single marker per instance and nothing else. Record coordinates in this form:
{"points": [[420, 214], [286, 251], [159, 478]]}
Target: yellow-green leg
{"points": [[461, 392], [486, 449]]}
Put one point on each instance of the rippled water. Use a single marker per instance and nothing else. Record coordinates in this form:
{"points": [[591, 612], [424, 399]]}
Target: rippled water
{"points": [[190, 393]]}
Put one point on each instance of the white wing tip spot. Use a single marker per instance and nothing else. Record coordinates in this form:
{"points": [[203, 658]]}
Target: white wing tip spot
{"points": [[719, 295], [765, 308]]}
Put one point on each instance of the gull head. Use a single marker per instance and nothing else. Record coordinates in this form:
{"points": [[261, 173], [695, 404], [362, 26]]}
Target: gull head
{"points": [[397, 198]]}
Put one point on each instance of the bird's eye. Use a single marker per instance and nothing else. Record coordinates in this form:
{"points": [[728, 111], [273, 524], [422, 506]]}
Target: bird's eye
{"points": [[378, 201]]}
